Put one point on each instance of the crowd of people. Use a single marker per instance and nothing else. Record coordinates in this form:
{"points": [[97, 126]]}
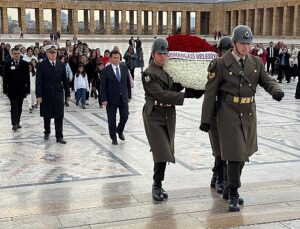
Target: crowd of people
{"points": [[76, 57], [45, 74]]}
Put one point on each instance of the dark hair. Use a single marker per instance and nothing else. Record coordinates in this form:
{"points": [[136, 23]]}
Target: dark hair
{"points": [[33, 71], [29, 48], [81, 65], [34, 60], [15, 49], [114, 52], [62, 56], [97, 68]]}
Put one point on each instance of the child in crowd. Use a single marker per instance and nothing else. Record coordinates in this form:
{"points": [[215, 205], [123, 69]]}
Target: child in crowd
{"points": [[69, 72], [81, 85], [31, 98]]}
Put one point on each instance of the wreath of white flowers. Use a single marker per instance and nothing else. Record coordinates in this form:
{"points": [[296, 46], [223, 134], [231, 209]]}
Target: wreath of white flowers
{"points": [[189, 70]]}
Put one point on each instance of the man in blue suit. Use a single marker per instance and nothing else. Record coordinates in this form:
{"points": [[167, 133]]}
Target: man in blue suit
{"points": [[115, 93]]}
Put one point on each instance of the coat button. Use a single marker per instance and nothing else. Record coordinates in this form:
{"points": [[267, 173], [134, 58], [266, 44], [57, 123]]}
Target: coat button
{"points": [[241, 114], [249, 85], [241, 85], [250, 114]]}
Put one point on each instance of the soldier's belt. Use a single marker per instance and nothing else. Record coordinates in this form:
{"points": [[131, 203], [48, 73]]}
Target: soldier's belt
{"points": [[156, 103], [240, 100]]}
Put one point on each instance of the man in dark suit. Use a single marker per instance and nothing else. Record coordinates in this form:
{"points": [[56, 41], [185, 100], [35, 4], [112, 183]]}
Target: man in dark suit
{"points": [[284, 66], [16, 85], [271, 57], [115, 93], [51, 82]]}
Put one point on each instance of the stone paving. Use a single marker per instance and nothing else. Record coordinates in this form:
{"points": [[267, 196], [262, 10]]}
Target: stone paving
{"points": [[89, 183]]}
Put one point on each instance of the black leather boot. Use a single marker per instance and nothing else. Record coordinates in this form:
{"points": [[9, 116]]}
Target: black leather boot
{"points": [[234, 200], [157, 194], [226, 196], [220, 186], [164, 193]]}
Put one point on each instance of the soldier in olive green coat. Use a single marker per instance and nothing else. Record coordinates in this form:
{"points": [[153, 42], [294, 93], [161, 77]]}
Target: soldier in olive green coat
{"points": [[233, 79], [161, 95], [218, 179]]}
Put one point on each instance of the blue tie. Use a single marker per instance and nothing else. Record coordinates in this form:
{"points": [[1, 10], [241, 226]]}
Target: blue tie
{"points": [[118, 74]]}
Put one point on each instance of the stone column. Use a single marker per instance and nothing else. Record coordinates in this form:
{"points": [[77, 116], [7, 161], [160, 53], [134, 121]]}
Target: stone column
{"points": [[131, 22], [101, 21], [256, 22], [285, 25], [154, 23], [53, 12], [40, 20], [275, 27], [174, 22], [124, 25], [75, 21], [188, 22], [240, 18], [198, 22], [169, 22], [58, 19], [4, 20], [160, 22], [107, 23], [183, 22], [86, 22], [70, 21], [92, 21], [232, 24], [248, 19], [296, 29], [37, 20], [22, 19], [117, 26], [139, 22], [146, 22], [266, 23]]}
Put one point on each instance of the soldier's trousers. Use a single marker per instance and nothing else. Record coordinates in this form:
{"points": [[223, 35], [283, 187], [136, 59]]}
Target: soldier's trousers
{"points": [[159, 172], [219, 169], [234, 171]]}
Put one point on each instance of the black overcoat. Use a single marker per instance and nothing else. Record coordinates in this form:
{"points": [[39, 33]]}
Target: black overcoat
{"points": [[51, 85], [16, 80]]}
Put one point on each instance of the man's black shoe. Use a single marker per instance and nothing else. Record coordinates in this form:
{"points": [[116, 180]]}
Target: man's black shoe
{"points": [[114, 142], [67, 104], [19, 126], [15, 127], [234, 204], [61, 140], [220, 186], [46, 136], [157, 194], [121, 136]]}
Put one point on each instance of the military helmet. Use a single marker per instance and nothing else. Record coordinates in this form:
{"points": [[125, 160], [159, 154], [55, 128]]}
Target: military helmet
{"points": [[225, 43], [160, 45], [242, 34]]}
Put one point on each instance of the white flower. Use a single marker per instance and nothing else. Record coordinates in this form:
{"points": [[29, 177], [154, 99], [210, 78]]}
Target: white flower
{"points": [[189, 73]]}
